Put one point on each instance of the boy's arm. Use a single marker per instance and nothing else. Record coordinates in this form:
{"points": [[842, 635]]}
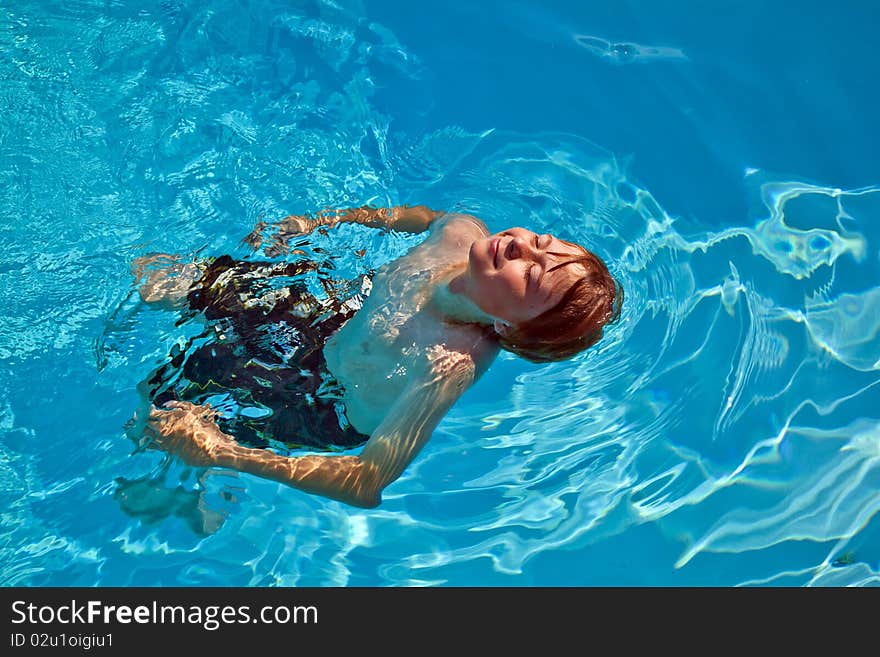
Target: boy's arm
{"points": [[406, 218], [355, 480]]}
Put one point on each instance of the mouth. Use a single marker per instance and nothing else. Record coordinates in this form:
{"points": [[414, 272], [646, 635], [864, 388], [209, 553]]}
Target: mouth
{"points": [[494, 249]]}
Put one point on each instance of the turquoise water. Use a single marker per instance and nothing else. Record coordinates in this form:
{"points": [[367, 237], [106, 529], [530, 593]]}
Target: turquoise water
{"points": [[723, 160]]}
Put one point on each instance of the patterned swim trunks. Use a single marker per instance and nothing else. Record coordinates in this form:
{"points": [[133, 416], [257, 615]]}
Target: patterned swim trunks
{"points": [[260, 362]]}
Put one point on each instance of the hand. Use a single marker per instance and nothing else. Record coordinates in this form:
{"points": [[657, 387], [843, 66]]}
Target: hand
{"points": [[289, 227], [189, 432], [295, 224]]}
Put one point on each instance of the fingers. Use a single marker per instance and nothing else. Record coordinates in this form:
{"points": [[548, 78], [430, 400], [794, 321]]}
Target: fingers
{"points": [[187, 406], [187, 431], [295, 224], [254, 239], [183, 409], [276, 242], [174, 403]]}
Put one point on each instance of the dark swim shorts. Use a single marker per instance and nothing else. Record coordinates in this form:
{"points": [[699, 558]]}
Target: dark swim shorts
{"points": [[260, 361]]}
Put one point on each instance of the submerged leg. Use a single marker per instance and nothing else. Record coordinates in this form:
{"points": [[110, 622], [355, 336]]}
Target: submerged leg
{"points": [[152, 501]]}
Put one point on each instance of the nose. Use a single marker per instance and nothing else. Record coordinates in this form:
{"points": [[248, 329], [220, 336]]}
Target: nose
{"points": [[520, 248]]}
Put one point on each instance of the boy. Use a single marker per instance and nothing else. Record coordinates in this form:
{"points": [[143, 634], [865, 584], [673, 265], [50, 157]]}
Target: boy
{"points": [[381, 370]]}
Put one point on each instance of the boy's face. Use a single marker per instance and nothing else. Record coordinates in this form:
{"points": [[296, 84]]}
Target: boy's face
{"points": [[512, 275]]}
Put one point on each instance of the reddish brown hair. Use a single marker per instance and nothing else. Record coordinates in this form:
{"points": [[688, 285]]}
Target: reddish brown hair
{"points": [[576, 322]]}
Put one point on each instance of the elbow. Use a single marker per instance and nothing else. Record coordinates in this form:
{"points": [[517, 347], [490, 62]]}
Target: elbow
{"points": [[367, 494], [367, 501], [365, 497]]}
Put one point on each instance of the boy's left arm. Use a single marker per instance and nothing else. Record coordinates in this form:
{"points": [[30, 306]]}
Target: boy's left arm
{"points": [[406, 218]]}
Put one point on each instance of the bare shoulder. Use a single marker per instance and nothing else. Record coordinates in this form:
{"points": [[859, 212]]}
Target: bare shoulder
{"points": [[465, 354], [455, 226]]}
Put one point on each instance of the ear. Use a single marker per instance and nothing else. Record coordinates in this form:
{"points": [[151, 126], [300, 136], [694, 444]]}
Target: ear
{"points": [[502, 328]]}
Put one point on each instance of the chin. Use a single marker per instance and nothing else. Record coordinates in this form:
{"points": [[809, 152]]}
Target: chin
{"points": [[478, 253]]}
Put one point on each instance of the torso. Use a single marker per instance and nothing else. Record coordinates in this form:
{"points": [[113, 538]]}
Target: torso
{"points": [[387, 344]]}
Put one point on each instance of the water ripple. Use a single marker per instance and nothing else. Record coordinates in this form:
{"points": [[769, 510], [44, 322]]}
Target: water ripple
{"points": [[729, 415], [603, 460]]}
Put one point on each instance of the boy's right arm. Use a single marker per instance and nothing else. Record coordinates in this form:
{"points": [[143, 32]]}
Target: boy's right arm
{"points": [[406, 218], [190, 432]]}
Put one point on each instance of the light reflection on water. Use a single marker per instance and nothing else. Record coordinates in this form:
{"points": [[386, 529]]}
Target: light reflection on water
{"points": [[698, 404], [726, 424]]}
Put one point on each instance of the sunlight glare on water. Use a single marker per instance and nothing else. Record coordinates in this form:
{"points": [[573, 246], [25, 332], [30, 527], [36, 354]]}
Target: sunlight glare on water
{"points": [[723, 432]]}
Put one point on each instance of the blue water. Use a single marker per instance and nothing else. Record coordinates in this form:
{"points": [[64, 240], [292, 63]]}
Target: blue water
{"points": [[722, 158]]}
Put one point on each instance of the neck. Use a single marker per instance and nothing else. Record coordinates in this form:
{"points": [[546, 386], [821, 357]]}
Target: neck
{"points": [[450, 299]]}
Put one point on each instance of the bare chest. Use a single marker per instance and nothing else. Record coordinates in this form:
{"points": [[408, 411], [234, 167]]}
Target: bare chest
{"points": [[385, 346]]}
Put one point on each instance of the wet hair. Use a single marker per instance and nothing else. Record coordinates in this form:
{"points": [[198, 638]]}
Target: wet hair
{"points": [[577, 321]]}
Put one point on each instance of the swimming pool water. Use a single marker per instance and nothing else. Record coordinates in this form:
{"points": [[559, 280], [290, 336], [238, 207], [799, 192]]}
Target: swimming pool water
{"points": [[722, 159]]}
